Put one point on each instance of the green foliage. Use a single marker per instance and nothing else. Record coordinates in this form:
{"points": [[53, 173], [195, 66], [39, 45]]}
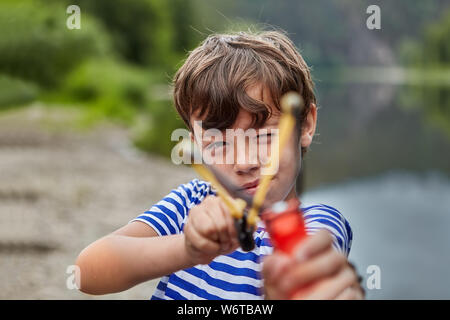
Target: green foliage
{"points": [[14, 92], [36, 45], [433, 100], [154, 132], [146, 32], [409, 52], [108, 87], [183, 17], [112, 67], [332, 32], [431, 59], [431, 49], [115, 90], [437, 43]]}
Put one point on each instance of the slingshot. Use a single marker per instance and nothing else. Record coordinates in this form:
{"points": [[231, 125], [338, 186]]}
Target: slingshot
{"points": [[284, 220]]}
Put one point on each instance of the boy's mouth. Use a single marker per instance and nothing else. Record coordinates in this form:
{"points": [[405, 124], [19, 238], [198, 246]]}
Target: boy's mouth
{"points": [[250, 187]]}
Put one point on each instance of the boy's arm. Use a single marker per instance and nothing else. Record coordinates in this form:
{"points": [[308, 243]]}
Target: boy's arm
{"points": [[135, 253], [129, 256]]}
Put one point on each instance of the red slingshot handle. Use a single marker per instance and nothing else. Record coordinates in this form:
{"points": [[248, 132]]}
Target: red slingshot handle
{"points": [[286, 228]]}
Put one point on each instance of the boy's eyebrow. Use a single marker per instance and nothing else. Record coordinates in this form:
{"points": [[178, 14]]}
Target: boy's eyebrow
{"points": [[273, 120]]}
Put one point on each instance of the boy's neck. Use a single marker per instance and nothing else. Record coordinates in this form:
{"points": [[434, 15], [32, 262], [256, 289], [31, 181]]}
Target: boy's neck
{"points": [[292, 194]]}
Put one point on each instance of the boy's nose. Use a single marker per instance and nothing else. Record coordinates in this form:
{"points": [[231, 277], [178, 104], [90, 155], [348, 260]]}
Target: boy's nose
{"points": [[247, 162], [245, 168]]}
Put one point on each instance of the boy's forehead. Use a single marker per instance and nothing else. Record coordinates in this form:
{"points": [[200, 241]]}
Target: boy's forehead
{"points": [[244, 120]]}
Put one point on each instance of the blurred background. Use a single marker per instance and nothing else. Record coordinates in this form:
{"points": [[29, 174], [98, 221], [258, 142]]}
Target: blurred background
{"points": [[86, 116]]}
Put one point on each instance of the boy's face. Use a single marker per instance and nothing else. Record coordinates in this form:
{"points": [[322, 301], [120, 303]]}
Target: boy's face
{"points": [[241, 151]]}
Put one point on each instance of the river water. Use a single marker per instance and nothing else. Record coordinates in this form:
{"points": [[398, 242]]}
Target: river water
{"points": [[400, 223], [382, 157]]}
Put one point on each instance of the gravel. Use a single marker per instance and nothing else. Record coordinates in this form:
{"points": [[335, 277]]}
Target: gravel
{"points": [[62, 188]]}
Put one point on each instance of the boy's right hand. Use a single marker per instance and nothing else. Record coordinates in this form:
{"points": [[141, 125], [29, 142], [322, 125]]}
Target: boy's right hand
{"points": [[209, 231], [318, 272]]}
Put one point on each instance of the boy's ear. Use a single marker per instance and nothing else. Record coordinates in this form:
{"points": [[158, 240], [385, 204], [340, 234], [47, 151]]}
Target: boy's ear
{"points": [[309, 126]]}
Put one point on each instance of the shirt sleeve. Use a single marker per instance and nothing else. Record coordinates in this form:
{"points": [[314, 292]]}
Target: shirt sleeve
{"points": [[325, 217], [168, 216]]}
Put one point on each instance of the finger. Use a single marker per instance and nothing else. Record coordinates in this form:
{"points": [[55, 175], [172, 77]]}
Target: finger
{"points": [[274, 266], [215, 214], [204, 225], [231, 228], [331, 287], [360, 295], [322, 266], [349, 293], [314, 245], [202, 243]]}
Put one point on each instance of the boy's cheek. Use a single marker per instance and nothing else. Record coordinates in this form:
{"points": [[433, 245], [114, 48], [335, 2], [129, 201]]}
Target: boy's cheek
{"points": [[289, 162]]}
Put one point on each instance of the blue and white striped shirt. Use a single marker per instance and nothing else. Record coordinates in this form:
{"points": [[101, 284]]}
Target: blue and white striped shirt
{"points": [[236, 275]]}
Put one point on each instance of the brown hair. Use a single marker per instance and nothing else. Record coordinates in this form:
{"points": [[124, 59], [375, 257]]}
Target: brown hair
{"points": [[216, 75]]}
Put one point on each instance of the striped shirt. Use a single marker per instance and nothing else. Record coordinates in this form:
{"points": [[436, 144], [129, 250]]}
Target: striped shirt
{"points": [[235, 276]]}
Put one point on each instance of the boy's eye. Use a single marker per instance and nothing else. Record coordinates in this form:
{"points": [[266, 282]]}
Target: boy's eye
{"points": [[265, 137], [217, 144]]}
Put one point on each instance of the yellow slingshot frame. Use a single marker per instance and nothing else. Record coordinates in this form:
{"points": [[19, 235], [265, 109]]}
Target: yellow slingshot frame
{"points": [[291, 104]]}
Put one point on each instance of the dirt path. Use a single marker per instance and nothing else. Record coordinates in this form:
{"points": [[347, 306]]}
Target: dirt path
{"points": [[61, 189]]}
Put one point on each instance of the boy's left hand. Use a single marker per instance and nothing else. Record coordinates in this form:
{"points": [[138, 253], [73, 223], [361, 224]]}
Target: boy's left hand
{"points": [[318, 272]]}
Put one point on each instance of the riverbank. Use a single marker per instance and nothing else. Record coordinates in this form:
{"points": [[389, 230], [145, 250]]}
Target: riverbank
{"points": [[60, 190]]}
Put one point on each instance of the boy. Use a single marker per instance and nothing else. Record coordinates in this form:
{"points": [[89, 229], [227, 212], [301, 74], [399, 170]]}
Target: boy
{"points": [[189, 238]]}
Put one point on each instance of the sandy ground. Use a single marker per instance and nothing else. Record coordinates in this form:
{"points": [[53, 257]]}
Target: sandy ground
{"points": [[60, 190]]}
